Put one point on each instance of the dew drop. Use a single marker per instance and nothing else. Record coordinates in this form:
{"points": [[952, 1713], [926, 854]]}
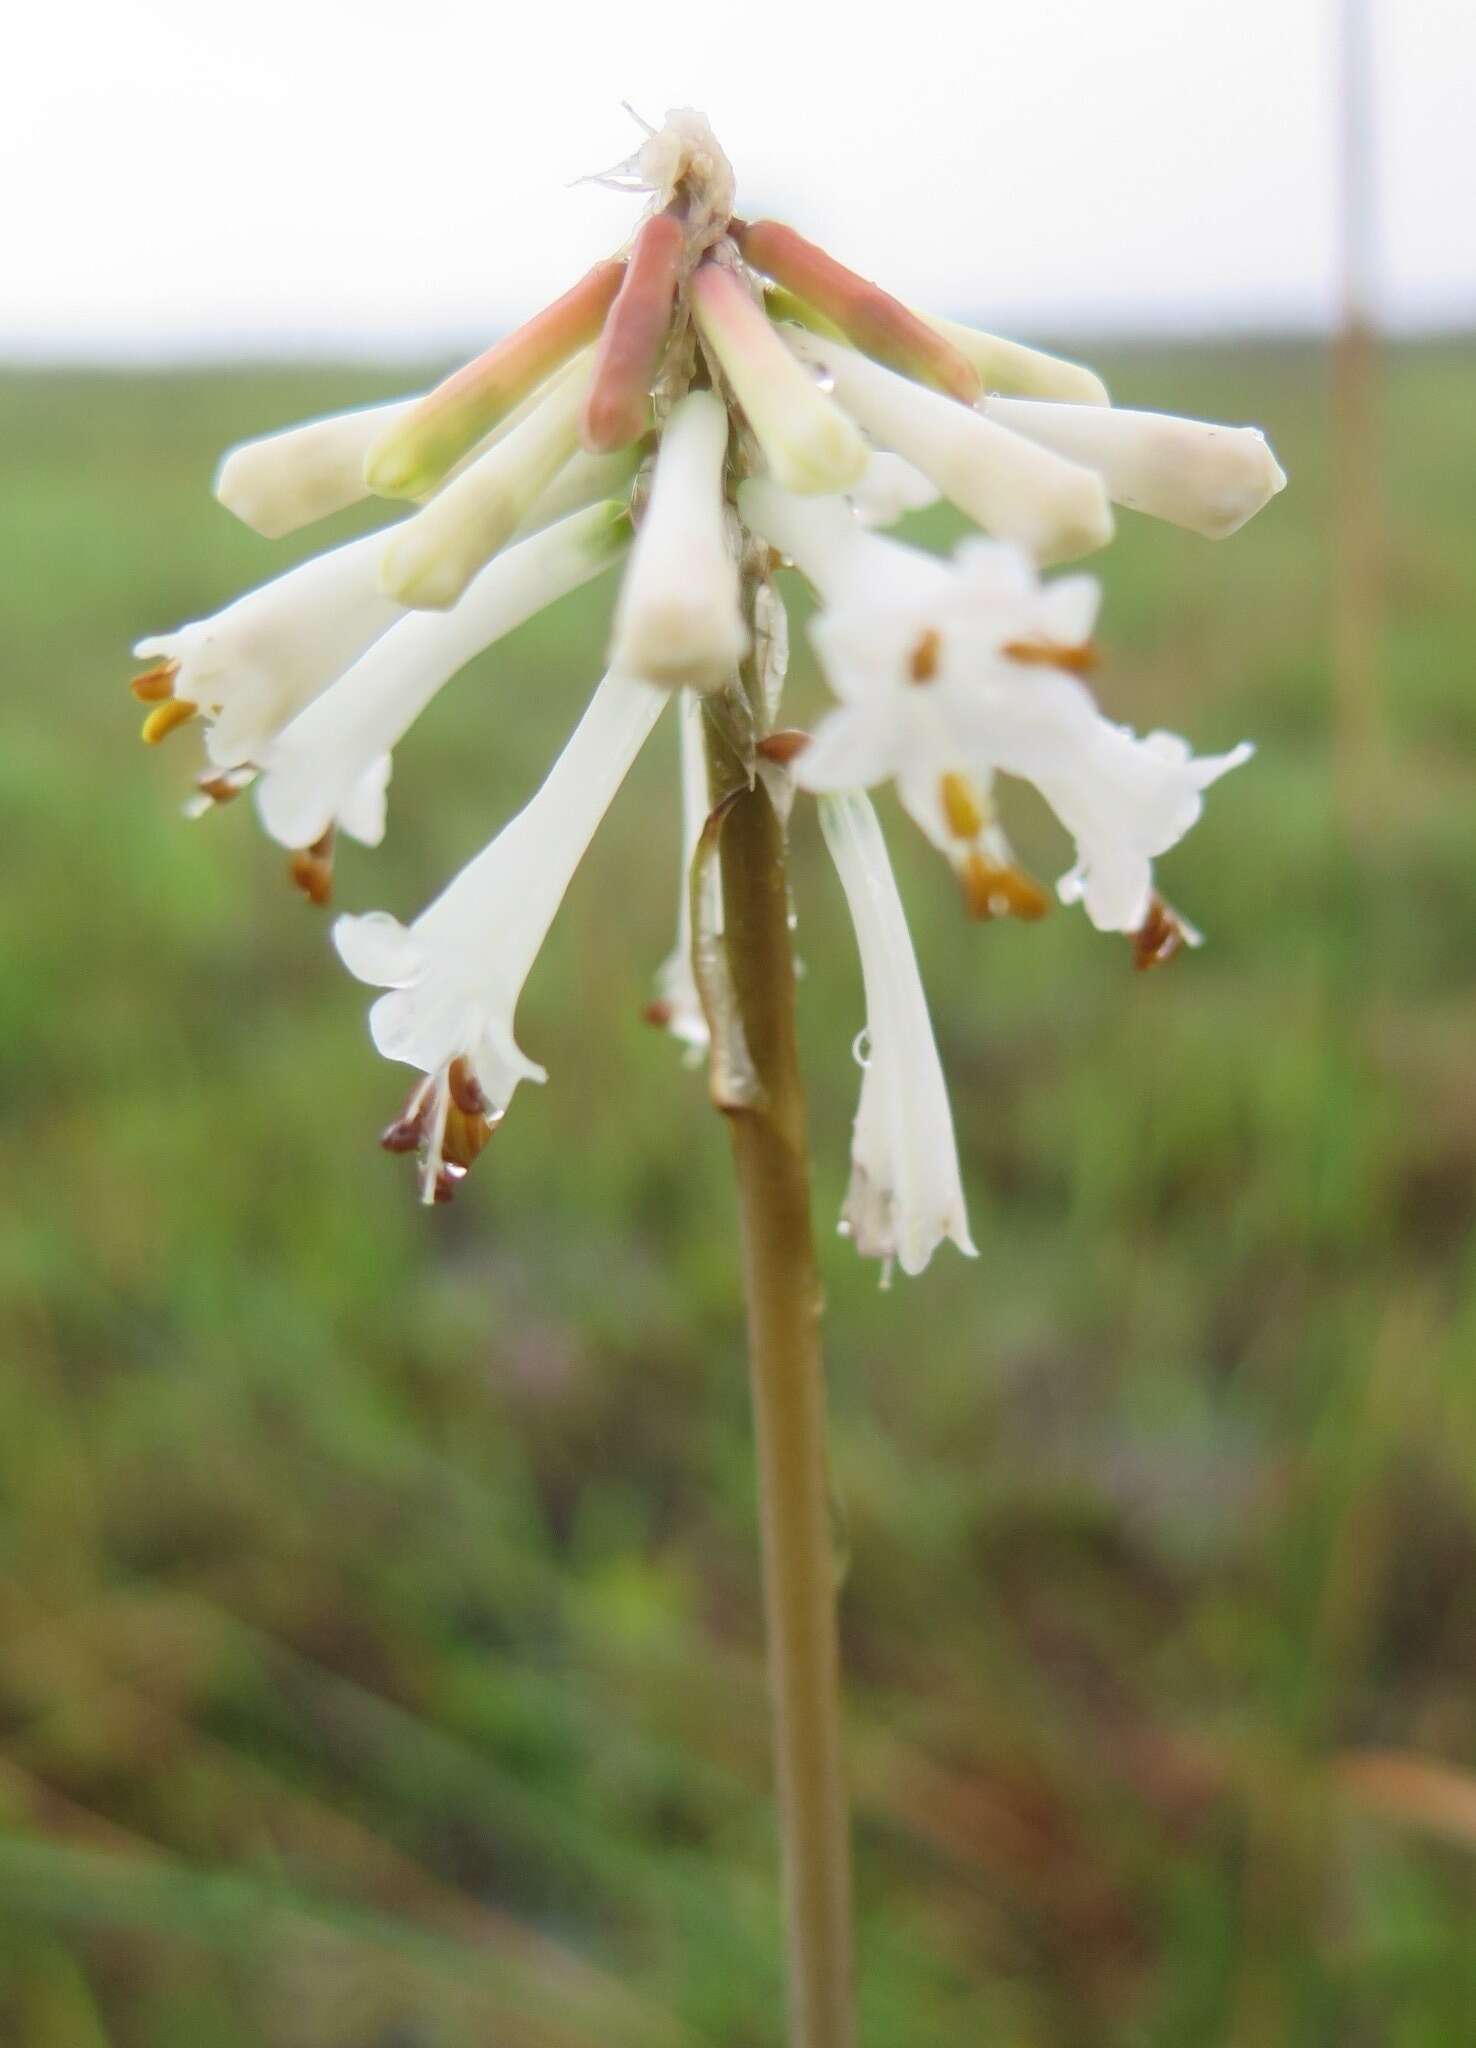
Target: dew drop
{"points": [[861, 1048]]}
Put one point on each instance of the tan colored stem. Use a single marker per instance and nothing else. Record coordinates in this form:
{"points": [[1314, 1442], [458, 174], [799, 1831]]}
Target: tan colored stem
{"points": [[782, 1288]]}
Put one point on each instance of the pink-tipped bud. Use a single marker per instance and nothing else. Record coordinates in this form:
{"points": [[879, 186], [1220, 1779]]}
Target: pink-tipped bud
{"points": [[808, 442], [878, 324], [431, 438], [628, 359]]}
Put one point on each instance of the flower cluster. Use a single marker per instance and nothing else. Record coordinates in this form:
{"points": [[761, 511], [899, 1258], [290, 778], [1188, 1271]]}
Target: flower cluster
{"points": [[720, 399]]}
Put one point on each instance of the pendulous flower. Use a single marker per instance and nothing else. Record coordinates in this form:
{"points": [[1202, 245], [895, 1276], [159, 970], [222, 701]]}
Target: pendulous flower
{"points": [[454, 976], [906, 1192]]}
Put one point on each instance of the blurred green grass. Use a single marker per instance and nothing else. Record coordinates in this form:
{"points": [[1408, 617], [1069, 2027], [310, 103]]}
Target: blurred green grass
{"points": [[381, 1659]]}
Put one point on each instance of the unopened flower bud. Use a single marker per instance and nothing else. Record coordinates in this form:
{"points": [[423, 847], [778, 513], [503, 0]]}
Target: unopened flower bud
{"points": [[1010, 366], [878, 324], [627, 362], [430, 559], [807, 440], [420, 448], [679, 620]]}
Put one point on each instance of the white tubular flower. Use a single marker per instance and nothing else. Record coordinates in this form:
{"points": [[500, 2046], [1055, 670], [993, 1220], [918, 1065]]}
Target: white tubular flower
{"points": [[252, 667], [890, 488], [1010, 366], [906, 1194], [678, 620], [1208, 478], [431, 558], [455, 975], [678, 1007], [1013, 488], [287, 480], [949, 672], [322, 759], [807, 440], [583, 480]]}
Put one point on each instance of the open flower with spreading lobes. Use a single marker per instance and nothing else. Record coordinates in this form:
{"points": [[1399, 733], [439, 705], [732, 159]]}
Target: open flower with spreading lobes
{"points": [[717, 402]]}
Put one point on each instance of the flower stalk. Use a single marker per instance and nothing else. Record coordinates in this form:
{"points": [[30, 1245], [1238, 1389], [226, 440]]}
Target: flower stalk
{"points": [[783, 1299]]}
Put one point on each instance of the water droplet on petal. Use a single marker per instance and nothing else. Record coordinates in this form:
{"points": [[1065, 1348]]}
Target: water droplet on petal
{"points": [[861, 1048]]}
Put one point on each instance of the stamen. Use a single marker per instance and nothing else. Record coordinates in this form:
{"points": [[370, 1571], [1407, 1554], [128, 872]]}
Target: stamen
{"points": [[1162, 935], [993, 890], [1077, 661], [961, 806], [466, 1089], [311, 868], [922, 665], [407, 1132], [657, 1013], [166, 718], [156, 683]]}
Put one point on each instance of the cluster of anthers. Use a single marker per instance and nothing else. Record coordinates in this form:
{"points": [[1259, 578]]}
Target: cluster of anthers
{"points": [[720, 400]]}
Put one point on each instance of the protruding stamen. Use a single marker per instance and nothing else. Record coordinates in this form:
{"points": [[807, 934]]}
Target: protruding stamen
{"points": [[994, 890], [782, 747], [1162, 935], [216, 787], [868, 316], [809, 443], [419, 449], [166, 718], [156, 684], [633, 341], [1080, 660], [311, 868], [466, 1089]]}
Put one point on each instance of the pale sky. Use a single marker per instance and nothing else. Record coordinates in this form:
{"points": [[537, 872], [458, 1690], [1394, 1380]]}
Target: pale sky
{"points": [[198, 177]]}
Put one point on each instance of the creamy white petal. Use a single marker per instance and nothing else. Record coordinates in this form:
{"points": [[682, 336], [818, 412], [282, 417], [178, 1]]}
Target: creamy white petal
{"points": [[823, 537], [320, 759], [584, 480], [1206, 477], [252, 667], [889, 489], [906, 1193], [1124, 799], [430, 559], [1015, 489], [678, 620], [283, 481], [456, 974], [678, 1003], [1010, 366]]}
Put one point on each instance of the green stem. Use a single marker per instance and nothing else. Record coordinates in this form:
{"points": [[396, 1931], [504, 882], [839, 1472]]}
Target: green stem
{"points": [[782, 1288]]}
